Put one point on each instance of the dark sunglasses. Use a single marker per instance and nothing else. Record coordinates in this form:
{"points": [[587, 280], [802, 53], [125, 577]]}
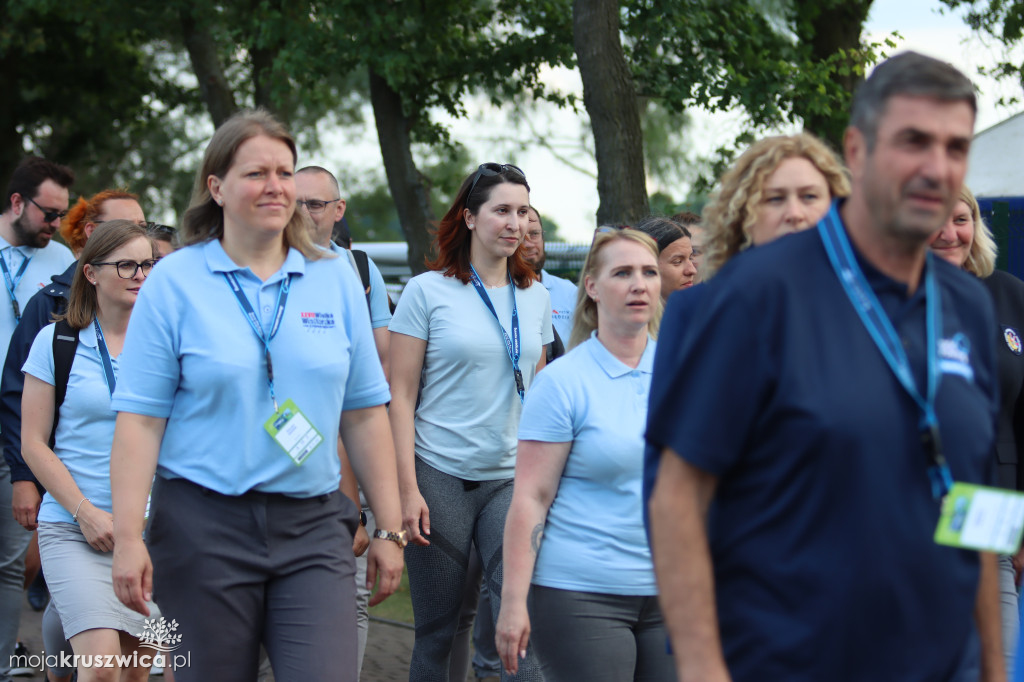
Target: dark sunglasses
{"points": [[49, 215], [490, 168], [126, 269]]}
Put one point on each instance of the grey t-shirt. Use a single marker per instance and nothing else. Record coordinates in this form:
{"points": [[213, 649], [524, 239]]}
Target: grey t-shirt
{"points": [[468, 414]]}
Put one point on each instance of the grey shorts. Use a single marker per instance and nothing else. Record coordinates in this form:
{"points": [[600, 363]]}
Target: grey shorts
{"points": [[80, 582]]}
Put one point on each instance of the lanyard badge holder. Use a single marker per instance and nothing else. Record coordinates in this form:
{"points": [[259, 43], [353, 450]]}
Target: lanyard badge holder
{"points": [[995, 520], [11, 283], [288, 426], [511, 345]]}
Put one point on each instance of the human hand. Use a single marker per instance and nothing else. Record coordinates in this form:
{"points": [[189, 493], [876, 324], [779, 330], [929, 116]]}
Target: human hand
{"points": [[512, 634], [25, 499], [415, 514], [133, 575], [385, 560], [360, 541]]}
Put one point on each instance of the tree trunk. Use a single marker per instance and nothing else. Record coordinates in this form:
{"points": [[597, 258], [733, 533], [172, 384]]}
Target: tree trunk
{"points": [[826, 29], [408, 189], [202, 52], [611, 100]]}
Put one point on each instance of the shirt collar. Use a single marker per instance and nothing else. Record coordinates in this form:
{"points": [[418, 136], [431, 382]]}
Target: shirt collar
{"points": [[614, 367], [219, 261], [26, 251], [87, 336]]}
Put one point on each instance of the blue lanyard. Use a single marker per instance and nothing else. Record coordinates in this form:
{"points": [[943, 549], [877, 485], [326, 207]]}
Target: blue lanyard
{"points": [[511, 345], [868, 308], [108, 367], [12, 283], [257, 326]]}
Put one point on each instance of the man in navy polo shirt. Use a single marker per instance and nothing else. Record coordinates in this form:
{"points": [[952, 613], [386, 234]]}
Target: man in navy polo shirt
{"points": [[798, 493]]}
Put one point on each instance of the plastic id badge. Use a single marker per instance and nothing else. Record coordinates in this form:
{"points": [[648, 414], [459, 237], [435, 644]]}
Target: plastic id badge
{"points": [[293, 432], [976, 517]]}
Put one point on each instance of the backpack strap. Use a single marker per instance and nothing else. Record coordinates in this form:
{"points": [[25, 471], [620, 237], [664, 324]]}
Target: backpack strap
{"points": [[65, 343], [363, 266]]}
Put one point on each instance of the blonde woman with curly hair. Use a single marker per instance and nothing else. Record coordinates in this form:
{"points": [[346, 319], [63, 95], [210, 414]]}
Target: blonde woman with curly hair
{"points": [[966, 242], [779, 185]]}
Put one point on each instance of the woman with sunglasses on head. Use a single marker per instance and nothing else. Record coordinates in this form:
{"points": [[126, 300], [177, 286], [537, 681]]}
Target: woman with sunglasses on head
{"points": [[249, 354], [467, 339], [575, 547], [75, 522]]}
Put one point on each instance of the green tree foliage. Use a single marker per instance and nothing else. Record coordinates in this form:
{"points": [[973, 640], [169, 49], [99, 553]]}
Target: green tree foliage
{"points": [[1002, 20]]}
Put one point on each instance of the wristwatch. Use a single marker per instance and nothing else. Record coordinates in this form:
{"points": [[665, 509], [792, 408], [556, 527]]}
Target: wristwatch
{"points": [[397, 538], [362, 518]]}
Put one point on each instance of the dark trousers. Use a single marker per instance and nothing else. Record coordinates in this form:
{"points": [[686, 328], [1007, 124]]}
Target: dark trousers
{"points": [[599, 637], [235, 572]]}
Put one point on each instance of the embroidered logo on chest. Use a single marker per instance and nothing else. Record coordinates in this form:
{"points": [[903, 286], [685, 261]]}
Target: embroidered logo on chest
{"points": [[317, 321], [955, 356], [1012, 340]]}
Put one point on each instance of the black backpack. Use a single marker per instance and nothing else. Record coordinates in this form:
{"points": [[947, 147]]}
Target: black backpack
{"points": [[65, 343]]}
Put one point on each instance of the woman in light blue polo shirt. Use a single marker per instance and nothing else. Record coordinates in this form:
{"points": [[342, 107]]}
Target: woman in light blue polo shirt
{"points": [[249, 352], [467, 338], [75, 523], [575, 528]]}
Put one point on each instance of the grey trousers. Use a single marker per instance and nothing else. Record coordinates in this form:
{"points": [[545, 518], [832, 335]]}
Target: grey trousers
{"points": [[235, 572], [599, 637]]}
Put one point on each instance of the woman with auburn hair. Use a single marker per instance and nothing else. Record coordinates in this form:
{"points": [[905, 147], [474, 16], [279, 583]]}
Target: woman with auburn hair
{"points": [[248, 355], [86, 214], [467, 339], [75, 523], [966, 242], [778, 185], [575, 548]]}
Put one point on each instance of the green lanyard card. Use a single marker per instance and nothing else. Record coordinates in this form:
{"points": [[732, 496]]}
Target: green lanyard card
{"points": [[977, 517], [293, 432]]}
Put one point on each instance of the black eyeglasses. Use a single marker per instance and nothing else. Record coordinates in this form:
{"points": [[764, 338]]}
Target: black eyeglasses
{"points": [[49, 215], [314, 205], [158, 229], [126, 269], [490, 168]]}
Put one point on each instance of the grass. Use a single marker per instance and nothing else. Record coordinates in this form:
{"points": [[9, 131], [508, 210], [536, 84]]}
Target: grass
{"points": [[397, 606]]}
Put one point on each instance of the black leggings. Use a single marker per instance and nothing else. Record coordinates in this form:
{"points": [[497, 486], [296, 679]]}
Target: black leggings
{"points": [[461, 513], [593, 637]]}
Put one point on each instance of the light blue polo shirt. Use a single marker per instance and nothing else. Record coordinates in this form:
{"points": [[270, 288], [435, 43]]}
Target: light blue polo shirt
{"points": [[468, 410], [594, 539], [85, 430], [563, 303], [51, 260], [380, 311], [190, 357]]}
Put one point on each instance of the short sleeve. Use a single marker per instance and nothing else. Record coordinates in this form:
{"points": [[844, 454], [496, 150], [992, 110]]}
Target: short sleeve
{"points": [[40, 358], [411, 315], [547, 333], [380, 311], [548, 410], [366, 385], [149, 367], [712, 377]]}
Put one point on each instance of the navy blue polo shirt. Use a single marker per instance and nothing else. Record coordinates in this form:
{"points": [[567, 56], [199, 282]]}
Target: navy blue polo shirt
{"points": [[821, 527]]}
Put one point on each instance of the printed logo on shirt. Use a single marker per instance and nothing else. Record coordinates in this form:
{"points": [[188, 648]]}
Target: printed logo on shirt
{"points": [[317, 321], [1012, 340], [955, 357], [564, 315]]}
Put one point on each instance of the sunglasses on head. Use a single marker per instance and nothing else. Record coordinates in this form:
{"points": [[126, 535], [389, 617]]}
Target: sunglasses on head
{"points": [[608, 229], [490, 168]]}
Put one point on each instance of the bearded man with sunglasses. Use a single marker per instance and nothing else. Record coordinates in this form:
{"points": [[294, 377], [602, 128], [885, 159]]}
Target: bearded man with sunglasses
{"points": [[36, 200]]}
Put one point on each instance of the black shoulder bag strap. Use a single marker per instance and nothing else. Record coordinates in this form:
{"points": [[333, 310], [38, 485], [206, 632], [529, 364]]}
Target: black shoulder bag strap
{"points": [[65, 343]]}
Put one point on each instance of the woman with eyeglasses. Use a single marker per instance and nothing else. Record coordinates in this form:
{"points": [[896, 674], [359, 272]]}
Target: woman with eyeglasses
{"points": [[249, 354], [575, 548], [73, 461], [467, 339]]}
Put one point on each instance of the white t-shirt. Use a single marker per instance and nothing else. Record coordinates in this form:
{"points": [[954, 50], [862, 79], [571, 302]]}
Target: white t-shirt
{"points": [[468, 412], [563, 303]]}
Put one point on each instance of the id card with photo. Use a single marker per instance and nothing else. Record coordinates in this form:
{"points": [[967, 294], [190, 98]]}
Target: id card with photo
{"points": [[977, 517], [293, 432]]}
